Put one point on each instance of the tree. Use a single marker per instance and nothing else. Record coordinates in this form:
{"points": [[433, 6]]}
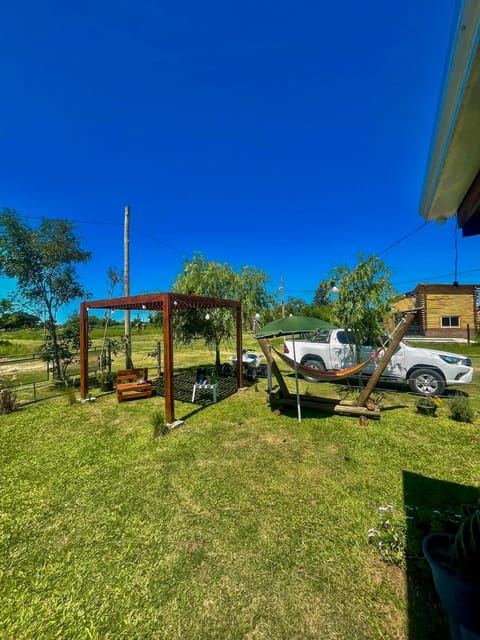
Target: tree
{"points": [[67, 346], [297, 307], [253, 293], [19, 320], [6, 307], [10, 320], [324, 312], [109, 346], [364, 299], [42, 260], [217, 280], [323, 293]]}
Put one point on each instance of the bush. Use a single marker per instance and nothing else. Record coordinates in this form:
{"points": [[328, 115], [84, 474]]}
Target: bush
{"points": [[389, 537], [158, 423], [8, 396], [71, 396], [461, 410]]}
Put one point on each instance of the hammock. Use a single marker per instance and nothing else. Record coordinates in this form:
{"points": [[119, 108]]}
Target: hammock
{"points": [[333, 374]]}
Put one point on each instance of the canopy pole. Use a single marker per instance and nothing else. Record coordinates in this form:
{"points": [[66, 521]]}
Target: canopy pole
{"points": [[299, 411]]}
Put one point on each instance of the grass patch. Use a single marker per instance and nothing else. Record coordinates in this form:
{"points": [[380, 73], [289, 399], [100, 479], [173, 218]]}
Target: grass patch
{"points": [[238, 524]]}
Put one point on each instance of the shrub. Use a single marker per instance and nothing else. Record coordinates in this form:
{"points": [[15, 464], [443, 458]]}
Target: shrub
{"points": [[8, 396], [157, 421], [466, 548], [71, 396], [390, 536], [461, 410]]}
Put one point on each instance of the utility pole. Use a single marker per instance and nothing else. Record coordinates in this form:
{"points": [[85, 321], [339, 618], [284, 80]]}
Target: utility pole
{"points": [[282, 297], [126, 288]]}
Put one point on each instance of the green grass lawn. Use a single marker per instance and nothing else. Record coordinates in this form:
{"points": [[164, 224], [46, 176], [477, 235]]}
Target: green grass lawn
{"points": [[238, 524]]}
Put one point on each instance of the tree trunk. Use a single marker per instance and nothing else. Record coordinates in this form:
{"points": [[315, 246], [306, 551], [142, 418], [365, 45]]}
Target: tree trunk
{"points": [[53, 334]]}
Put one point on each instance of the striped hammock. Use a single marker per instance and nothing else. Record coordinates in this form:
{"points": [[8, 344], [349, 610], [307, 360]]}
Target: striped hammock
{"points": [[331, 374]]}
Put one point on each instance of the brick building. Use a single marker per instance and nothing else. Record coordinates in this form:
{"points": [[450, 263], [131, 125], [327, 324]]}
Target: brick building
{"points": [[445, 310]]}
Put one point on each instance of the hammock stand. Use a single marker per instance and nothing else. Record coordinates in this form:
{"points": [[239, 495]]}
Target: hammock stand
{"points": [[363, 406]]}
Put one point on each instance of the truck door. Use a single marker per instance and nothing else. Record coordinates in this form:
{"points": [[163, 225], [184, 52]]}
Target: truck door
{"points": [[395, 367], [342, 350]]}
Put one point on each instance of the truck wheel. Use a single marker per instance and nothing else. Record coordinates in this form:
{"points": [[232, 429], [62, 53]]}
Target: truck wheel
{"points": [[313, 364], [428, 382]]}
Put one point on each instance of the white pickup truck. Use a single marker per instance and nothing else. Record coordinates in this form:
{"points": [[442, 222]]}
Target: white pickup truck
{"points": [[426, 371]]}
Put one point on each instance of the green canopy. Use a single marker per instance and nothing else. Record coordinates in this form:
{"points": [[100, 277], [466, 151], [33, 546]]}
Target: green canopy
{"points": [[291, 324], [288, 326]]}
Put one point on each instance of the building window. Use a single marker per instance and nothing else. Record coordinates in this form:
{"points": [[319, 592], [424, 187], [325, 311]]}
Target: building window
{"points": [[450, 322]]}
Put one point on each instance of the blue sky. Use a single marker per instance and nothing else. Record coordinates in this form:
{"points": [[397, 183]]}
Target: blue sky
{"points": [[290, 136]]}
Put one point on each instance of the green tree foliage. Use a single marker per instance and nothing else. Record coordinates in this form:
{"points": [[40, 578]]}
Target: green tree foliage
{"points": [[297, 307], [294, 306], [109, 346], [67, 345], [18, 320], [364, 299], [322, 295], [324, 312], [218, 280], [41, 260], [6, 306]]}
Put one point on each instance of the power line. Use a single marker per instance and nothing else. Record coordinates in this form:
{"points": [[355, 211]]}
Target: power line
{"points": [[455, 277], [161, 242], [112, 224], [407, 235], [379, 253], [442, 275], [416, 280]]}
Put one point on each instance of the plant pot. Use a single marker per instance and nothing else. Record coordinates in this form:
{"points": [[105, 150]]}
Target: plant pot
{"points": [[426, 410], [107, 386], [460, 598]]}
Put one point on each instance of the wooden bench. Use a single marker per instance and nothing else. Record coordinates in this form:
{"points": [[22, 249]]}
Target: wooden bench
{"points": [[133, 383]]}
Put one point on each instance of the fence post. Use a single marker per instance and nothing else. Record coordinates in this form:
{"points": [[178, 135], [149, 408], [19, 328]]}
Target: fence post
{"points": [[468, 333]]}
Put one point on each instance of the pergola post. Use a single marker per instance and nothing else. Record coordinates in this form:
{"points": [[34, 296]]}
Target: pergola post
{"points": [[168, 360], [83, 350], [238, 310]]}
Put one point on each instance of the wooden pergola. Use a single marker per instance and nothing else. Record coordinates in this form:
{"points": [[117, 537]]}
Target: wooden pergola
{"points": [[168, 303]]}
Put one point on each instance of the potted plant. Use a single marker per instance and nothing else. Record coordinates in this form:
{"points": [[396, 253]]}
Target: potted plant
{"points": [[105, 379], [455, 565], [428, 405]]}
